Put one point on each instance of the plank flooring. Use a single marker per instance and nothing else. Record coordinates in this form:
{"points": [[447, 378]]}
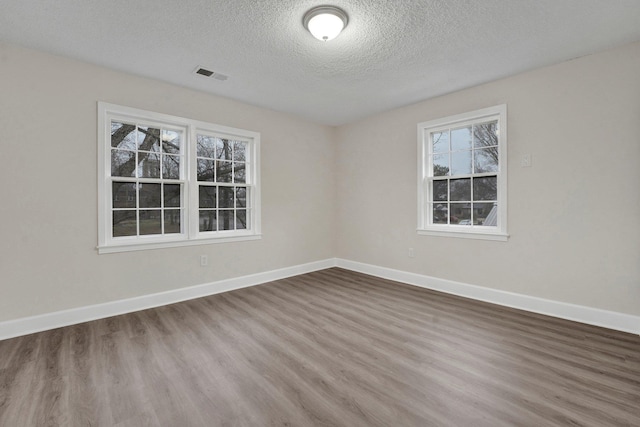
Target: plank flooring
{"points": [[329, 348]]}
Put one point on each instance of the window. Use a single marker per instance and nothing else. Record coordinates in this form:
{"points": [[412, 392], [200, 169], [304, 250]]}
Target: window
{"points": [[222, 185], [463, 173], [169, 181]]}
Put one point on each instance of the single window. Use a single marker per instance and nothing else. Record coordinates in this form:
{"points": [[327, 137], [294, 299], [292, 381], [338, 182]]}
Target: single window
{"points": [[463, 173], [222, 183], [170, 181]]}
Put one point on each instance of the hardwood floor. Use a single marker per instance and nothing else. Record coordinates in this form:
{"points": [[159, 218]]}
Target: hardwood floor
{"points": [[330, 348]]}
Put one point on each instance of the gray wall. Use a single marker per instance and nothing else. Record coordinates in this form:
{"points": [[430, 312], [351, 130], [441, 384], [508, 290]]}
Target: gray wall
{"points": [[48, 210], [574, 216], [347, 192]]}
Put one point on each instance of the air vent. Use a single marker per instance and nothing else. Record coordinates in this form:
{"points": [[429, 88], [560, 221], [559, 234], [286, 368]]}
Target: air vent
{"points": [[204, 72], [212, 74]]}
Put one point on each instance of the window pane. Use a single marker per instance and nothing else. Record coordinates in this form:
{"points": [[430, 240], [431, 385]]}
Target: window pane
{"points": [[440, 213], [148, 139], [440, 164], [239, 172], [123, 163], [486, 160], [206, 146], [123, 194], [124, 223], [224, 149], [441, 190], [241, 219], [460, 189], [440, 141], [226, 197], [205, 170], [172, 221], [150, 222], [171, 141], [149, 195], [226, 220], [239, 151], [486, 214], [148, 165], [460, 213], [171, 195], [461, 138], [485, 134], [207, 196], [241, 197], [170, 167], [123, 136], [460, 163], [485, 188], [208, 221], [223, 172]]}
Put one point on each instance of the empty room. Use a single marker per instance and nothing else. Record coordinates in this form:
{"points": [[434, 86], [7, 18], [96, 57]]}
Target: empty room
{"points": [[305, 213]]}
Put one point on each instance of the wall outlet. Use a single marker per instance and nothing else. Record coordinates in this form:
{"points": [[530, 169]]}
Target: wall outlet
{"points": [[525, 161], [412, 253], [204, 260]]}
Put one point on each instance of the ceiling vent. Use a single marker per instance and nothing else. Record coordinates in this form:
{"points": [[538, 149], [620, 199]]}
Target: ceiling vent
{"points": [[212, 74]]}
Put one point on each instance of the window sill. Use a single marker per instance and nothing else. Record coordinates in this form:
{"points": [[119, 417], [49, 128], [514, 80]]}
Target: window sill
{"points": [[138, 246], [466, 234]]}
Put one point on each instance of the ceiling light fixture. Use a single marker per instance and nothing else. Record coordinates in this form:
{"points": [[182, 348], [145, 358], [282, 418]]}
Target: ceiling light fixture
{"points": [[325, 22]]}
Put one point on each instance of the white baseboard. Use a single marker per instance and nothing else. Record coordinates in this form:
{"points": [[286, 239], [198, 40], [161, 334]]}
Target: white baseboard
{"points": [[43, 322], [588, 315], [592, 316]]}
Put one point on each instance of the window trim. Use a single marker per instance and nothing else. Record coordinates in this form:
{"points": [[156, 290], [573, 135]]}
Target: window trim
{"points": [[190, 234], [499, 233]]}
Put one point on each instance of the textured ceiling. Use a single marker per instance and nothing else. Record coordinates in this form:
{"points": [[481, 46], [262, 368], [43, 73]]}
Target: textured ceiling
{"points": [[392, 53]]}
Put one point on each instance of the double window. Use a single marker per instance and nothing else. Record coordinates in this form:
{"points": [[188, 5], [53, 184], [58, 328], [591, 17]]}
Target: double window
{"points": [[462, 182], [169, 181]]}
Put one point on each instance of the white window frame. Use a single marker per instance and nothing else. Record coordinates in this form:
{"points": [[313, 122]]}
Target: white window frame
{"points": [[190, 234], [425, 176]]}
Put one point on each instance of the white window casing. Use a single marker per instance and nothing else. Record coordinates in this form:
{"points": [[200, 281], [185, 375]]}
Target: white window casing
{"points": [[165, 197], [462, 175]]}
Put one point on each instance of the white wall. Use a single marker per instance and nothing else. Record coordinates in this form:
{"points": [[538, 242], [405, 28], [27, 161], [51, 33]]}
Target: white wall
{"points": [[574, 216], [350, 192], [48, 190]]}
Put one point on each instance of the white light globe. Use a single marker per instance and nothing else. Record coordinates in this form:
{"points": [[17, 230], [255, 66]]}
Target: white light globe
{"points": [[325, 22], [325, 26]]}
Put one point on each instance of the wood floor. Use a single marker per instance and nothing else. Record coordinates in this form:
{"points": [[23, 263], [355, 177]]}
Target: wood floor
{"points": [[330, 348]]}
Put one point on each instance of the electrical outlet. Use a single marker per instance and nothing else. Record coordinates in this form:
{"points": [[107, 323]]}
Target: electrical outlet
{"points": [[525, 161], [412, 253], [204, 260]]}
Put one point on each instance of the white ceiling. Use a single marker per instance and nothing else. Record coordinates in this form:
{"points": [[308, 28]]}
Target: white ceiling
{"points": [[392, 53]]}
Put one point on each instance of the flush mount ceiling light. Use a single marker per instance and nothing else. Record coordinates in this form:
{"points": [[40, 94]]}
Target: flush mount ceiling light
{"points": [[325, 22]]}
